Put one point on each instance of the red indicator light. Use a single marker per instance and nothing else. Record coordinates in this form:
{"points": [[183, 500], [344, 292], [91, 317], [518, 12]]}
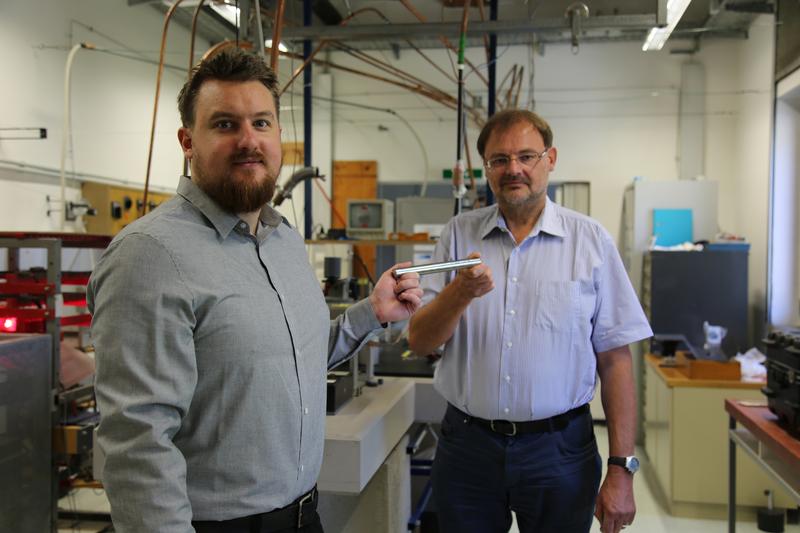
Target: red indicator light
{"points": [[8, 325]]}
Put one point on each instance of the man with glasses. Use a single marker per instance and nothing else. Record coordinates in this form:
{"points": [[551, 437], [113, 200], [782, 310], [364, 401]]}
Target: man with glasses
{"points": [[525, 333]]}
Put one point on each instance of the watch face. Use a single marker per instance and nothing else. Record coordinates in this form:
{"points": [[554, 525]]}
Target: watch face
{"points": [[633, 464]]}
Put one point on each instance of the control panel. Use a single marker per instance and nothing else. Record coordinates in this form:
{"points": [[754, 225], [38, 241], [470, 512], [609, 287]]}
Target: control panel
{"points": [[116, 206]]}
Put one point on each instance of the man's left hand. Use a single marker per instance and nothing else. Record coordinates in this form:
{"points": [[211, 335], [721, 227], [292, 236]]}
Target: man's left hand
{"points": [[615, 507], [396, 299]]}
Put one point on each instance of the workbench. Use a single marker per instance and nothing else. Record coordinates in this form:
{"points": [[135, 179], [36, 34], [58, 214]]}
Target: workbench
{"points": [[769, 446], [686, 437], [365, 480]]}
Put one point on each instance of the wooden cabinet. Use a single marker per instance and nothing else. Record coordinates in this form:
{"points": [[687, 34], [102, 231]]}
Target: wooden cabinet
{"points": [[686, 443], [355, 180]]}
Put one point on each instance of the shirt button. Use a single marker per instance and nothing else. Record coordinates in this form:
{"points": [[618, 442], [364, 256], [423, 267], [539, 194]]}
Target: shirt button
{"points": [[301, 468], [508, 378], [506, 410], [514, 279], [512, 312], [305, 411], [509, 344]]}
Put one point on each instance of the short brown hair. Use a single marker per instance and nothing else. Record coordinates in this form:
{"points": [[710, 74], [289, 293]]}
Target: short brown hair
{"points": [[231, 64], [503, 120]]}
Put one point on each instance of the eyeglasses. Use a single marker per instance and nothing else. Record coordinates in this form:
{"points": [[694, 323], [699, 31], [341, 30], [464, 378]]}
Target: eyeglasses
{"points": [[501, 162]]}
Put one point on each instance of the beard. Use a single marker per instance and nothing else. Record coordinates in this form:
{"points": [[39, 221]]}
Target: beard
{"points": [[233, 192], [514, 201]]}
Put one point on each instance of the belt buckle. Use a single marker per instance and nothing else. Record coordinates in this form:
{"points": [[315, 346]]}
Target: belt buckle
{"points": [[513, 428], [304, 499]]}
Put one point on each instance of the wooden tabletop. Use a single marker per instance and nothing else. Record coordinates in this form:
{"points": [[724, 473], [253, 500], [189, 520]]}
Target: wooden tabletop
{"points": [[764, 426], [675, 376]]}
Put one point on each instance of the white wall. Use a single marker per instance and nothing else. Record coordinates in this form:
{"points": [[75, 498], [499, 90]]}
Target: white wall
{"points": [[739, 109]]}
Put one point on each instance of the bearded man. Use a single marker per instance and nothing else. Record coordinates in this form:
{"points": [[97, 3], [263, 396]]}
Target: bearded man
{"points": [[212, 335]]}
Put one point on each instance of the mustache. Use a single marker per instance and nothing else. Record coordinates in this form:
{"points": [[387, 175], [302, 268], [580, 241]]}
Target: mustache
{"points": [[248, 156], [507, 178]]}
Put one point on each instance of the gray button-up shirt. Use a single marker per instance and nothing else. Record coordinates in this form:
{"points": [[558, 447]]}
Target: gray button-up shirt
{"points": [[212, 349], [527, 349]]}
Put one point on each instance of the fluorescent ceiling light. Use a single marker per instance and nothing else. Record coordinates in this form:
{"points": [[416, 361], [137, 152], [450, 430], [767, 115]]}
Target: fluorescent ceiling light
{"points": [[658, 36], [281, 46]]}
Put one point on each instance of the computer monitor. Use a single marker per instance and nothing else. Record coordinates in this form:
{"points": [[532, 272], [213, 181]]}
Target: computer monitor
{"points": [[370, 219]]}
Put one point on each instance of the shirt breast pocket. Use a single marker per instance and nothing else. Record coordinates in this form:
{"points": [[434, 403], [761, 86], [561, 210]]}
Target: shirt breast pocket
{"points": [[555, 305]]}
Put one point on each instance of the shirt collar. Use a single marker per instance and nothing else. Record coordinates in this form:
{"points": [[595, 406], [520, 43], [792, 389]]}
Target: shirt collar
{"points": [[222, 221], [549, 222]]}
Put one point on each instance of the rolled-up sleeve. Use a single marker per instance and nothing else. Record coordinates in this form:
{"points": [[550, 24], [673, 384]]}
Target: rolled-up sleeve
{"points": [[619, 319], [142, 330]]}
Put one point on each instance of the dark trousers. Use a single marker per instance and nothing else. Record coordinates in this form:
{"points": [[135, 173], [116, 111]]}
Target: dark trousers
{"points": [[549, 479], [247, 525], [300, 516]]}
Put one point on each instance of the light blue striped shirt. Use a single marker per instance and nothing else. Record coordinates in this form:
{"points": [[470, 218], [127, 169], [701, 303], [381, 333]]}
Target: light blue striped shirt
{"points": [[527, 349]]}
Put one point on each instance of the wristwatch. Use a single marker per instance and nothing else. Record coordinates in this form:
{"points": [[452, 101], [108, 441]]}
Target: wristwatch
{"points": [[630, 464]]}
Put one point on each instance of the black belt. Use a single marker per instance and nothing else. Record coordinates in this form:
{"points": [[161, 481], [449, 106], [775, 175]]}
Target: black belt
{"points": [[509, 429], [297, 514]]}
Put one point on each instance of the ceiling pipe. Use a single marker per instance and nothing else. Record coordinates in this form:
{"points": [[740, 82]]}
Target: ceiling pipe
{"points": [[194, 33], [260, 28], [276, 36], [445, 41], [155, 103]]}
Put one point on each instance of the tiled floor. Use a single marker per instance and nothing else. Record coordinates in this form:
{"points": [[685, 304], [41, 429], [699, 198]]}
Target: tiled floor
{"points": [[650, 516]]}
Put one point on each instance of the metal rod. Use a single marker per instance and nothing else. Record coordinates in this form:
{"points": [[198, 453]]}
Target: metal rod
{"points": [[433, 268]]}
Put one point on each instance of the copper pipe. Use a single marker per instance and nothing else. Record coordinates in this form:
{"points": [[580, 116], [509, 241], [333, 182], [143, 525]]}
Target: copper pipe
{"points": [[194, 32], [191, 63], [299, 70], [211, 52], [155, 104], [430, 91], [323, 43], [363, 10], [276, 37], [511, 86], [519, 86], [429, 60], [421, 18], [442, 98], [386, 67], [500, 90], [485, 37]]}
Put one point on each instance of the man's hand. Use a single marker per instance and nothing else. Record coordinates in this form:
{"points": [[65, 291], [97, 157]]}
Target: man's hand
{"points": [[396, 299], [615, 507], [476, 281]]}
